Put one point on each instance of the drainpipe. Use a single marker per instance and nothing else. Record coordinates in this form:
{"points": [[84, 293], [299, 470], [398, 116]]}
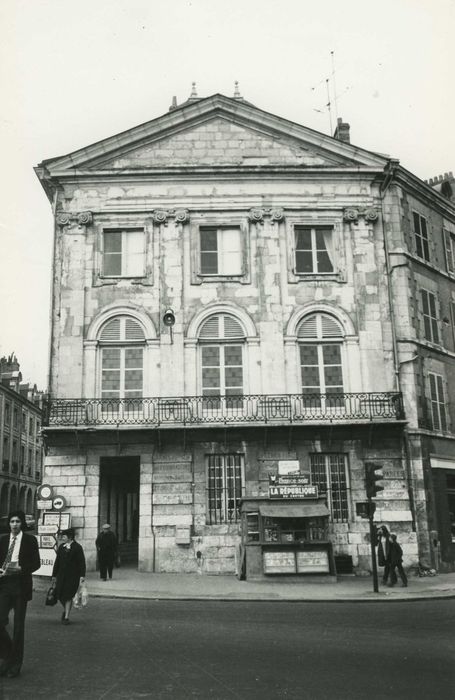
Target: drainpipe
{"points": [[390, 174]]}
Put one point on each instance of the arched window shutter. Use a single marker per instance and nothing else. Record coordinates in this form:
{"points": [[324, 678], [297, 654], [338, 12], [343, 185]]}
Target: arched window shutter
{"points": [[133, 330], [221, 327], [319, 326], [232, 328], [308, 328], [121, 328], [111, 331]]}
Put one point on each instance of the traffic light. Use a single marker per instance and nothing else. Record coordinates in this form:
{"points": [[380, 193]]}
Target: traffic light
{"points": [[373, 474]]}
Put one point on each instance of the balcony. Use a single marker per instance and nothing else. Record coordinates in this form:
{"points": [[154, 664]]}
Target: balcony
{"points": [[204, 411]]}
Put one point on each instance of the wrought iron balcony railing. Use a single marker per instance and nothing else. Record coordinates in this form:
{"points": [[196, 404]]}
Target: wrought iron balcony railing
{"points": [[195, 411]]}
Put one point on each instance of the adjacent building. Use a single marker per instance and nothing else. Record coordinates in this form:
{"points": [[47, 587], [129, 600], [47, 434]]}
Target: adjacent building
{"points": [[21, 449], [234, 293]]}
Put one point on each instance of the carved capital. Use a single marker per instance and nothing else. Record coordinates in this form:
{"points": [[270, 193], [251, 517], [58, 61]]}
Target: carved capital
{"points": [[352, 215], [182, 216], [277, 214], [160, 216], [256, 215], [66, 218]]}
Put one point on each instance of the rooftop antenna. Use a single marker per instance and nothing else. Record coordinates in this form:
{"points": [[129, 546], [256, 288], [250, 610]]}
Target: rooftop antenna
{"points": [[332, 53], [329, 105]]}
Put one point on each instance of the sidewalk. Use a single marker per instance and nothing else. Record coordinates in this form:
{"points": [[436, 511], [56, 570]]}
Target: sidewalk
{"points": [[129, 583]]}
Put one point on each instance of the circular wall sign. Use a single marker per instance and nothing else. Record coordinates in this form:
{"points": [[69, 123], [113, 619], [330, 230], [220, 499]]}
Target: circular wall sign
{"points": [[44, 492], [58, 503]]}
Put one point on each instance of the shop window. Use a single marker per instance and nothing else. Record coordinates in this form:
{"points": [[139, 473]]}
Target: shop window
{"points": [[225, 484], [329, 474], [451, 503], [123, 253], [220, 251], [320, 339], [421, 236], [449, 239], [121, 349], [221, 339], [437, 402], [430, 316], [313, 250]]}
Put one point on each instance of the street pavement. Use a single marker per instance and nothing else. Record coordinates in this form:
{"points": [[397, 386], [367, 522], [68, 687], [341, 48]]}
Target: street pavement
{"points": [[130, 583], [130, 649]]}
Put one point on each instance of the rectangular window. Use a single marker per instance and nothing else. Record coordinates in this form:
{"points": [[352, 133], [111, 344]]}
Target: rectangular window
{"points": [[16, 419], [6, 416], [437, 402], [328, 473], [121, 372], [430, 316], [449, 238], [221, 251], [24, 422], [123, 253], [30, 426], [313, 250], [421, 236], [5, 453], [225, 484]]}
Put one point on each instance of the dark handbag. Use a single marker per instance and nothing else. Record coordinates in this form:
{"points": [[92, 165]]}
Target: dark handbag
{"points": [[51, 596]]}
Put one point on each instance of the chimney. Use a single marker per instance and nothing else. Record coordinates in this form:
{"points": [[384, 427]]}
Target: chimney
{"points": [[174, 104], [342, 131]]}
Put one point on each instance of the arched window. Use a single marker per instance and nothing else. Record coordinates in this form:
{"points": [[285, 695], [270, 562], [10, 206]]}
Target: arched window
{"points": [[221, 340], [121, 341], [320, 337]]}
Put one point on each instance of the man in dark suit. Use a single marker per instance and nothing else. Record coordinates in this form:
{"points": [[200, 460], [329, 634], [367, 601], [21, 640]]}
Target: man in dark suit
{"points": [[19, 558]]}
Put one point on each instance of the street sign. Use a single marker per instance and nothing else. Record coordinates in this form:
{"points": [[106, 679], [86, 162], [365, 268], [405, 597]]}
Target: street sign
{"points": [[48, 541], [47, 529], [44, 505], [59, 503], [62, 520], [47, 557], [44, 491], [289, 479], [288, 466]]}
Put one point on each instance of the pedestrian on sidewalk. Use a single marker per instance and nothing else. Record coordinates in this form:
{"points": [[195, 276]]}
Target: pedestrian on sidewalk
{"points": [[20, 557], [68, 572], [384, 552], [396, 562], [107, 548]]}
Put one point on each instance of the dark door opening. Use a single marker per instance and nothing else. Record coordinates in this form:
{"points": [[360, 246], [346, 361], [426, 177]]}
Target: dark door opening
{"points": [[119, 503]]}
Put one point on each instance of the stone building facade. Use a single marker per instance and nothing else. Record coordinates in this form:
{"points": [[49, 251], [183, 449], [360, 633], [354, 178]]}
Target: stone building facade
{"points": [[21, 447], [224, 301]]}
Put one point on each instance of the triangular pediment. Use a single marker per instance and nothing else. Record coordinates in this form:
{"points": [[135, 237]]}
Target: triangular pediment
{"points": [[214, 132]]}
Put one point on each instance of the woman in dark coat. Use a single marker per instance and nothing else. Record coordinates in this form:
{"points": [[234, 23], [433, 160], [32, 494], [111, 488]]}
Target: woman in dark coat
{"points": [[68, 571]]}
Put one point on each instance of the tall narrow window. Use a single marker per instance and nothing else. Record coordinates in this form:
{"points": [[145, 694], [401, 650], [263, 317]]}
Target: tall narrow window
{"points": [[313, 249], [123, 253], [220, 250], [221, 339], [329, 474], [225, 483], [122, 340], [320, 344], [437, 402], [449, 239], [430, 316], [421, 236]]}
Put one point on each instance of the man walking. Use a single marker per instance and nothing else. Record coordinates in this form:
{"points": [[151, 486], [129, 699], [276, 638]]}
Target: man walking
{"points": [[19, 557], [106, 546], [396, 562]]}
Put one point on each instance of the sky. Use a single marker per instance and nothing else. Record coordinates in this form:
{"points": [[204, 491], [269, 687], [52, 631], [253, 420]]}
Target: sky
{"points": [[72, 73]]}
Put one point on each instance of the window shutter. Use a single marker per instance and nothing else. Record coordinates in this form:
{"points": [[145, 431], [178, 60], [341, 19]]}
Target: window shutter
{"points": [[308, 328], [330, 328], [133, 265], [231, 253], [111, 331], [232, 328], [210, 328], [449, 251], [133, 330]]}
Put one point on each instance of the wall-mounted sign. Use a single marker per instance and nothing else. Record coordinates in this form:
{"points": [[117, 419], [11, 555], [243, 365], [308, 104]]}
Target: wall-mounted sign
{"points": [[288, 466], [51, 529], [48, 541], [291, 479], [44, 491], [296, 491]]}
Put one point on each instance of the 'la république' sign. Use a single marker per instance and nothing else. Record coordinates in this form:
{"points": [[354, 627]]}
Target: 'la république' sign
{"points": [[296, 487]]}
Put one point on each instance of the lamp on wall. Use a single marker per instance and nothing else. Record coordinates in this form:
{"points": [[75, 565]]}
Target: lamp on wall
{"points": [[169, 320]]}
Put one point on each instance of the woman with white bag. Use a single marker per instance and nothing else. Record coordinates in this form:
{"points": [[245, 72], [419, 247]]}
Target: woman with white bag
{"points": [[68, 572]]}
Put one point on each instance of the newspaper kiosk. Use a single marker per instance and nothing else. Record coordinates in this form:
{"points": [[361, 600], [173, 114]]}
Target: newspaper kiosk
{"points": [[281, 537]]}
